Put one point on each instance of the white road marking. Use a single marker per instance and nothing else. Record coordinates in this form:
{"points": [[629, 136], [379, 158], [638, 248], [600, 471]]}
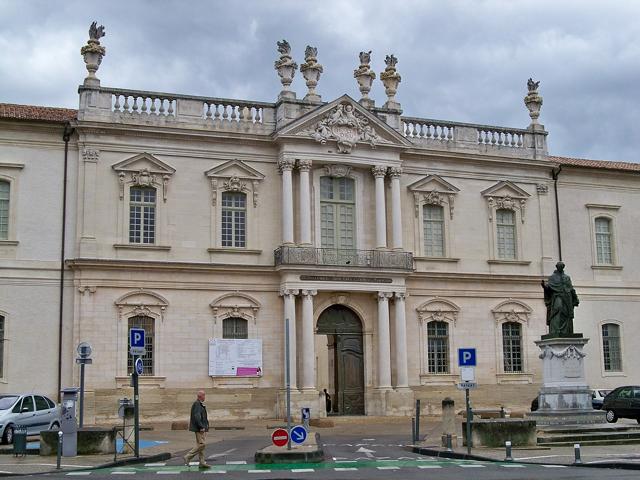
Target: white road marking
{"points": [[258, 471], [120, 472], [193, 464], [511, 465], [345, 461], [302, 470], [221, 454], [470, 465], [215, 471], [388, 468], [345, 445], [345, 469], [78, 473], [554, 466], [429, 466], [236, 462], [368, 439], [160, 464], [168, 472]]}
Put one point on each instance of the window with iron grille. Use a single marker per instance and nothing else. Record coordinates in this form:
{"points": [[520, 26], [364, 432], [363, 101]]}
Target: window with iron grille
{"points": [[337, 212], [234, 328], [604, 252], [438, 347], [1, 346], [147, 323], [506, 234], [433, 223], [512, 347], [142, 215], [234, 219], [4, 210], [611, 347]]}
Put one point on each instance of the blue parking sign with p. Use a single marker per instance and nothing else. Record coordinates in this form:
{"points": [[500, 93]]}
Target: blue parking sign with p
{"points": [[467, 357], [136, 341]]}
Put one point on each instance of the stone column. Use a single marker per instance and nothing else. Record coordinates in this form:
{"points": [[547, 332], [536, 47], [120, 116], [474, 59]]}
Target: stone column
{"points": [[396, 211], [90, 159], [308, 343], [286, 166], [384, 342], [305, 202], [402, 380], [290, 313], [381, 215]]}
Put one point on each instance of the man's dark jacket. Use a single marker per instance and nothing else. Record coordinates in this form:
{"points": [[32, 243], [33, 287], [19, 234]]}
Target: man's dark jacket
{"points": [[198, 420]]}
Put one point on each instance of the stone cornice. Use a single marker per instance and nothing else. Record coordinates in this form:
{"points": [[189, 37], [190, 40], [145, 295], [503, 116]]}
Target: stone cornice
{"points": [[119, 264]]}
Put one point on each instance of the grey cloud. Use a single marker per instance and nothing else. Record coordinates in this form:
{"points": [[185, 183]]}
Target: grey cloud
{"points": [[465, 60]]}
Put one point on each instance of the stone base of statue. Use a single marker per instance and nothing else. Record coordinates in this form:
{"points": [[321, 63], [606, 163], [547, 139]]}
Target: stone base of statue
{"points": [[565, 397]]}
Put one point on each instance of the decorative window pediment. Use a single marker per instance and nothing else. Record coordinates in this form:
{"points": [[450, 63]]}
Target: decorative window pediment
{"points": [[438, 309], [505, 195], [234, 176], [511, 311], [144, 170], [433, 190], [237, 305], [141, 302]]}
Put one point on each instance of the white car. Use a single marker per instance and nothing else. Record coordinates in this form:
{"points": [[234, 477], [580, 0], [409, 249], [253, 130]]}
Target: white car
{"points": [[597, 397], [29, 411]]}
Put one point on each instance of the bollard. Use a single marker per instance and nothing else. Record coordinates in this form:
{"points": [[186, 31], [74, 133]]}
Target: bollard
{"points": [[508, 458], [449, 443], [59, 453], [502, 412], [413, 430], [576, 449], [417, 420]]}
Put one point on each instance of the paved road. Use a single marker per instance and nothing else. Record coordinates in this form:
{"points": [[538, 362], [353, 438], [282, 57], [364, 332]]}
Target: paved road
{"points": [[347, 457]]}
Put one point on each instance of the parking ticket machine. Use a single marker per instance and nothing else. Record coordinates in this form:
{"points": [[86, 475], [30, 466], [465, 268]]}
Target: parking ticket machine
{"points": [[68, 422]]}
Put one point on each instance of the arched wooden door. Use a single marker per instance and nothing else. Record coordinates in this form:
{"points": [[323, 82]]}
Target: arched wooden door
{"points": [[344, 326]]}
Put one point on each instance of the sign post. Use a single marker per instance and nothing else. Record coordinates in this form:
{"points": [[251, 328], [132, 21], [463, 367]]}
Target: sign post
{"points": [[136, 349], [288, 380], [467, 364]]}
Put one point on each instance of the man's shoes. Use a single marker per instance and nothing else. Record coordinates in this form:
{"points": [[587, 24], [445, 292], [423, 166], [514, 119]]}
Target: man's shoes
{"points": [[204, 465], [186, 461]]}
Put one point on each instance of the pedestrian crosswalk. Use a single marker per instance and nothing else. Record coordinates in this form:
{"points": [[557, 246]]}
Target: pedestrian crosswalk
{"points": [[242, 467]]}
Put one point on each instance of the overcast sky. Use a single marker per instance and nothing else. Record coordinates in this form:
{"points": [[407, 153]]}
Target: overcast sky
{"points": [[465, 60]]}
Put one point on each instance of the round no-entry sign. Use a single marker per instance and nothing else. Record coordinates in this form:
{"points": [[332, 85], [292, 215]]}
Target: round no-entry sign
{"points": [[280, 437]]}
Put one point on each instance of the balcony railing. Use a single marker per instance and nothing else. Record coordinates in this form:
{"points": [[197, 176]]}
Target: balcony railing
{"points": [[343, 258]]}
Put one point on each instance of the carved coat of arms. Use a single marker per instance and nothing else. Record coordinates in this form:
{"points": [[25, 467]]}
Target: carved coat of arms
{"points": [[346, 127]]}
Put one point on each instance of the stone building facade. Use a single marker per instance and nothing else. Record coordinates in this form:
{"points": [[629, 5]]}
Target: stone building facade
{"points": [[388, 242]]}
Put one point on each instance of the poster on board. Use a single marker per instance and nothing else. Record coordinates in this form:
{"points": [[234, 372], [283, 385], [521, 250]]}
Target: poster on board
{"points": [[235, 357]]}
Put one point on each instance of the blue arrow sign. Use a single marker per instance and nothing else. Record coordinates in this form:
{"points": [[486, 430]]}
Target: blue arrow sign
{"points": [[298, 434], [139, 366]]}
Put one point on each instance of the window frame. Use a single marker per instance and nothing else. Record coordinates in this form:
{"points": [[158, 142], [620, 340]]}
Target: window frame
{"points": [[243, 335], [336, 204], [502, 225], [13, 181], [4, 347], [507, 348], [447, 344], [612, 373], [512, 311], [233, 209], [149, 341], [143, 205], [610, 212], [443, 225]]}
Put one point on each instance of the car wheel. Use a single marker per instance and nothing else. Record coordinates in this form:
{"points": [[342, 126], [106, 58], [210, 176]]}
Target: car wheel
{"points": [[611, 416], [7, 437], [55, 426]]}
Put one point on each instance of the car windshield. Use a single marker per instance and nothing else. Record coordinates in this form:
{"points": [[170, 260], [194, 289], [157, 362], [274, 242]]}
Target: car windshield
{"points": [[604, 393], [6, 401]]}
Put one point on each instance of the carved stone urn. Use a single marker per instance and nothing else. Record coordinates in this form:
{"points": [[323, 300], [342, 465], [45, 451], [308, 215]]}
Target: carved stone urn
{"points": [[390, 79], [92, 53], [286, 68], [365, 77], [533, 102], [311, 71]]}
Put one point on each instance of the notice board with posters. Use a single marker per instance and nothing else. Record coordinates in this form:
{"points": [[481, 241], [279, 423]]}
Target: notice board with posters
{"points": [[235, 357]]}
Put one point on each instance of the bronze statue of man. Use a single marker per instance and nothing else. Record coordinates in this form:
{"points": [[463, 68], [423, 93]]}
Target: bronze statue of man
{"points": [[560, 299]]}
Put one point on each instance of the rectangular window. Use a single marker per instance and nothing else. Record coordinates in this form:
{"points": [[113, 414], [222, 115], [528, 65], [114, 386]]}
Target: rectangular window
{"points": [[512, 347], [4, 210], [234, 328], [1, 346], [604, 254], [147, 323], [438, 347], [433, 223], [506, 234], [234, 219], [142, 215], [337, 213], [611, 347]]}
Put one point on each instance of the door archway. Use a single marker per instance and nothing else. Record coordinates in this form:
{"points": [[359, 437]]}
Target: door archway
{"points": [[346, 357]]}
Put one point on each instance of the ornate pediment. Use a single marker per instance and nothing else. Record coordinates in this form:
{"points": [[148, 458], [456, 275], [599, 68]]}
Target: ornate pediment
{"points": [[506, 195], [144, 170], [141, 302], [511, 311], [344, 123], [235, 304], [433, 190], [439, 310], [234, 176]]}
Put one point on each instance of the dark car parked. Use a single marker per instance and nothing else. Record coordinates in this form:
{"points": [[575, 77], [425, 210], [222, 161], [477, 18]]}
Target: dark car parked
{"points": [[623, 402]]}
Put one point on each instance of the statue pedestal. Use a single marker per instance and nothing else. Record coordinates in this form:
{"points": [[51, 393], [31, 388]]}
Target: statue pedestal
{"points": [[565, 397]]}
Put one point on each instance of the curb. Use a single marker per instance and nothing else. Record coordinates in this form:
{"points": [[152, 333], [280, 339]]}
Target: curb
{"points": [[286, 456], [434, 452], [159, 457]]}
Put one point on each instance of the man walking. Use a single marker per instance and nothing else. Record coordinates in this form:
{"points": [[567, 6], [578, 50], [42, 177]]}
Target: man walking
{"points": [[199, 424]]}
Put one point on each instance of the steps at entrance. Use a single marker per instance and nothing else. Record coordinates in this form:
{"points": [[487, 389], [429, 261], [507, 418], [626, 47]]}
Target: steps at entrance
{"points": [[605, 434]]}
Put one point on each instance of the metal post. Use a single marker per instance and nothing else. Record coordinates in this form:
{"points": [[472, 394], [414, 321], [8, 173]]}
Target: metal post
{"points": [[81, 395], [449, 443], [576, 449], [136, 411], [413, 430], [287, 370], [59, 455], [418, 420], [469, 420], [508, 457]]}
